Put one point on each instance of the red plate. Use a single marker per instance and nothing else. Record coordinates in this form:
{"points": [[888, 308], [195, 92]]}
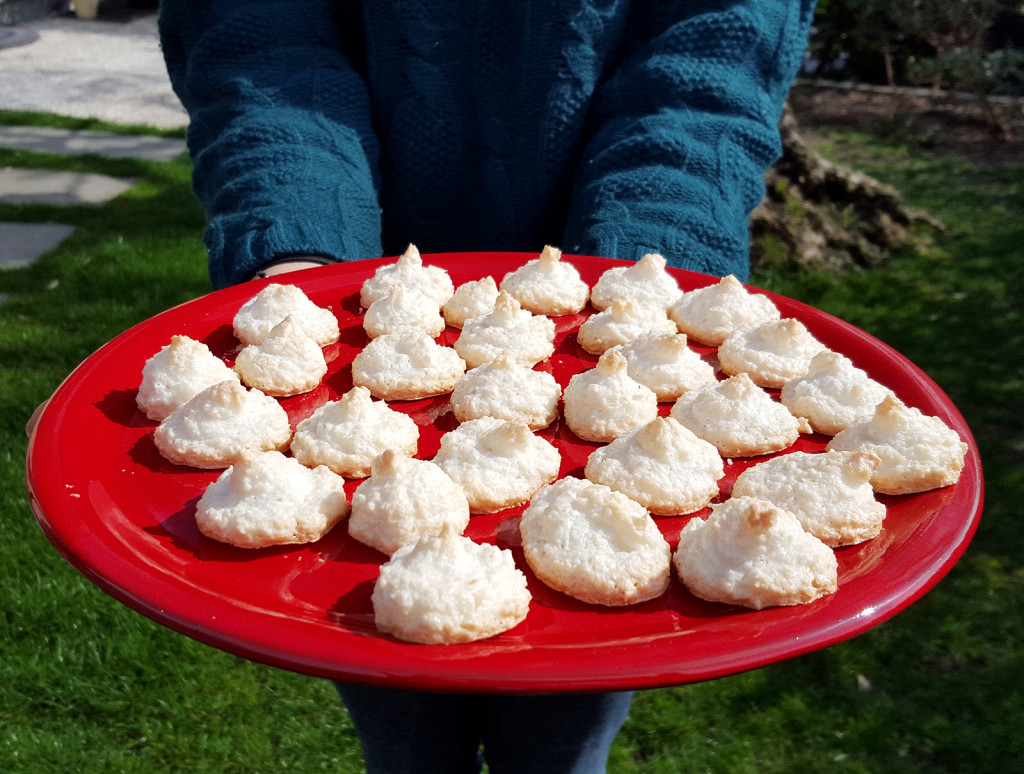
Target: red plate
{"points": [[124, 517]]}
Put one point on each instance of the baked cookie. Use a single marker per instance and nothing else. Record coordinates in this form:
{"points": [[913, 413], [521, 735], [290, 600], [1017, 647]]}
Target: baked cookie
{"points": [[471, 299], [213, 429], [347, 434], [752, 553], [404, 499], [498, 464], [603, 402], [829, 493], [177, 373], [258, 316], [833, 394], [772, 352], [595, 544], [268, 499], [403, 307], [448, 589], [508, 328], [647, 279], [916, 452], [739, 418], [286, 362], [548, 285], [662, 465], [408, 270], [407, 365], [711, 313], [666, 364], [504, 389], [626, 319]]}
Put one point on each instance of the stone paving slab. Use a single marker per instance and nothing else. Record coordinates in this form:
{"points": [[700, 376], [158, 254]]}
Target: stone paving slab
{"points": [[21, 185], [23, 243], [76, 142]]}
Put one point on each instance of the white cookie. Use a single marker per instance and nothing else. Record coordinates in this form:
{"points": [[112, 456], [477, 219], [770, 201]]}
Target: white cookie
{"points": [[752, 553], [498, 464], [347, 434], [626, 319], [662, 465], [404, 499], [471, 299], [286, 362], [176, 374], [595, 544], [603, 402], [739, 418], [403, 307], [829, 493], [448, 589], [666, 364], [213, 429], [916, 452], [504, 389], [409, 270], [268, 499], [258, 316], [772, 353], [407, 365], [646, 279], [833, 394], [711, 313], [548, 285], [508, 328]]}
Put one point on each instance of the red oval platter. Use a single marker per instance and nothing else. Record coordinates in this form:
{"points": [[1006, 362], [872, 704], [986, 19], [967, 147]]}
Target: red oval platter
{"points": [[124, 517]]}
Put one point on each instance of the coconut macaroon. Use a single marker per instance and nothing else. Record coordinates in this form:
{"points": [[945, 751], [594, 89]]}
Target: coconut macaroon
{"points": [[407, 365], [772, 353], [258, 316], [448, 589], [916, 452], [213, 429], [739, 418], [666, 364], [403, 307], [603, 402], [286, 362], [268, 499], [647, 279], [595, 544], [662, 465], [177, 373], [408, 270], [504, 389], [829, 493], [498, 464], [404, 499], [548, 285], [833, 394], [471, 299], [626, 319], [711, 313], [507, 328], [347, 434], [752, 553]]}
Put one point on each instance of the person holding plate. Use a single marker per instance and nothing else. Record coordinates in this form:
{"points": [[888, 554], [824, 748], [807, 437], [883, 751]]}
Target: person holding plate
{"points": [[331, 130]]}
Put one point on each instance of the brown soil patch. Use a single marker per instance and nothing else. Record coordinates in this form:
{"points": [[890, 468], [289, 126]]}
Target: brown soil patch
{"points": [[939, 124]]}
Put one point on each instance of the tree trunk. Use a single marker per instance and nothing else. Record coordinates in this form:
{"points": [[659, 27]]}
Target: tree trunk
{"points": [[820, 215]]}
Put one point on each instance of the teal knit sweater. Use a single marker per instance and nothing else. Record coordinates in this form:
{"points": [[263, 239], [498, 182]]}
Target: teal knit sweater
{"points": [[604, 127]]}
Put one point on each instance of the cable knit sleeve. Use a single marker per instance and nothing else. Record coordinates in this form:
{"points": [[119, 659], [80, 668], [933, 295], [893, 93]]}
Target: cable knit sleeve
{"points": [[683, 131], [285, 161]]}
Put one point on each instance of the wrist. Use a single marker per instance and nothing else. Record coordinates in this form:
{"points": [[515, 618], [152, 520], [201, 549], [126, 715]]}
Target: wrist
{"points": [[289, 263]]}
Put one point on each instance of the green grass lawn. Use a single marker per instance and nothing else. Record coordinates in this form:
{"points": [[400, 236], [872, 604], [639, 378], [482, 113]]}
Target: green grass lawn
{"points": [[87, 685]]}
